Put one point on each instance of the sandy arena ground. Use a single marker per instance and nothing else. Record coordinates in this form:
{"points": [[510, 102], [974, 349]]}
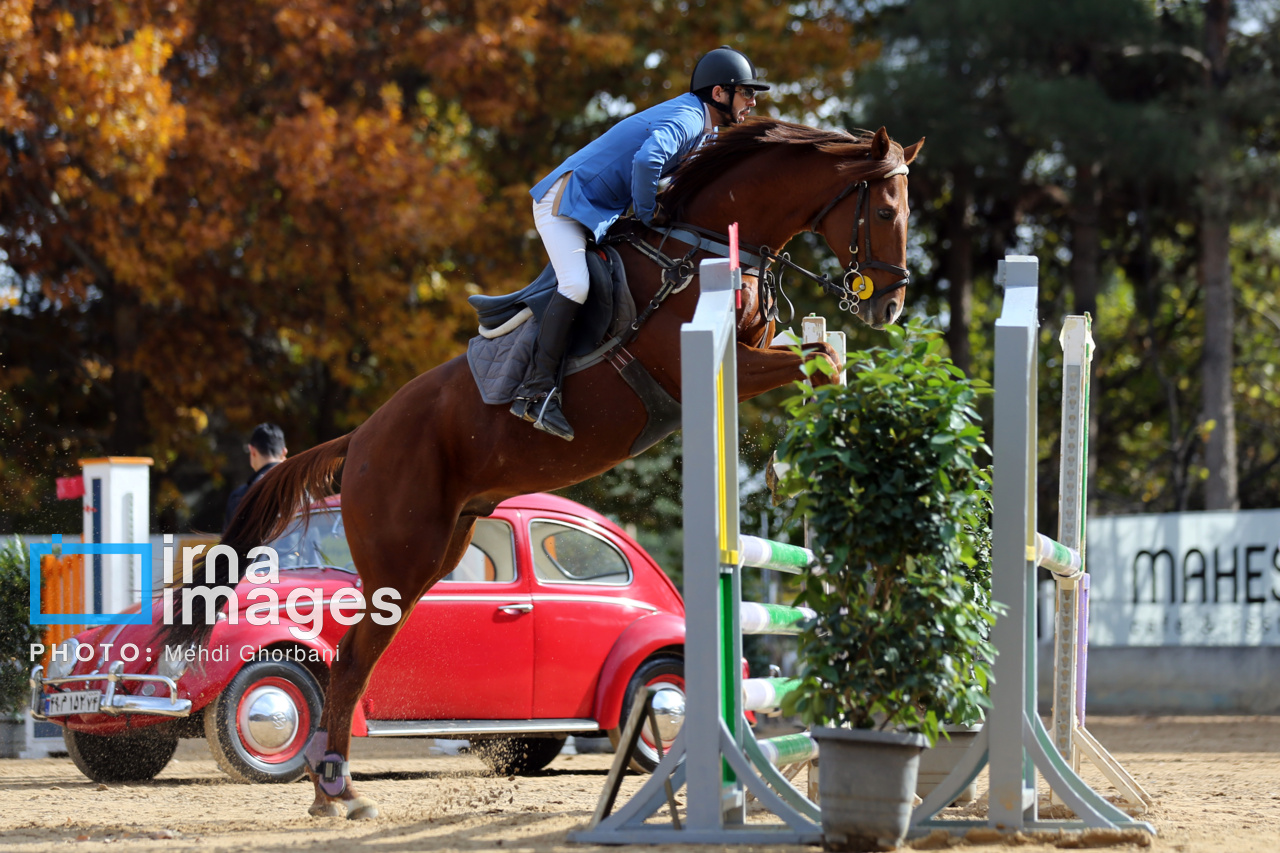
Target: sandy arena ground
{"points": [[1216, 782]]}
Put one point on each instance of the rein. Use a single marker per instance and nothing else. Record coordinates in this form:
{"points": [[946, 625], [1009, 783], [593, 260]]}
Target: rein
{"points": [[662, 411], [678, 273], [764, 258]]}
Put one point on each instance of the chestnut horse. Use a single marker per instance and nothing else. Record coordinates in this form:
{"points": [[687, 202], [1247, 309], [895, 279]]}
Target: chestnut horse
{"points": [[434, 458]]}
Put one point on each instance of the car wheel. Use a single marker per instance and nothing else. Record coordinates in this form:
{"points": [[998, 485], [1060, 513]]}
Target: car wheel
{"points": [[259, 726], [133, 757], [667, 673], [512, 756]]}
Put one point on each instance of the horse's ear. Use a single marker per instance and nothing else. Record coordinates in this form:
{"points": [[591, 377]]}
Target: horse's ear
{"points": [[909, 153], [879, 145]]}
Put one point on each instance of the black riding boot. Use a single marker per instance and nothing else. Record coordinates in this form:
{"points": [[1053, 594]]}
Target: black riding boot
{"points": [[538, 397]]}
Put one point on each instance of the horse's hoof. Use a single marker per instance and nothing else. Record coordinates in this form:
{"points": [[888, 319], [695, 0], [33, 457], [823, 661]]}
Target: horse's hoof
{"points": [[361, 808], [325, 809]]}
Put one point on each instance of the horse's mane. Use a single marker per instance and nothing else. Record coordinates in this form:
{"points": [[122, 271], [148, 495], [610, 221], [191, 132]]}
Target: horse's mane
{"points": [[759, 134]]}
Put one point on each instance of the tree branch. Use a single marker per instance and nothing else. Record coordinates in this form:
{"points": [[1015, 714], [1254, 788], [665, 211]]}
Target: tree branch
{"points": [[1182, 50]]}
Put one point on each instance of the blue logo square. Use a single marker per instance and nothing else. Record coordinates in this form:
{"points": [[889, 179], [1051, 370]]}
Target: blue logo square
{"points": [[38, 550]]}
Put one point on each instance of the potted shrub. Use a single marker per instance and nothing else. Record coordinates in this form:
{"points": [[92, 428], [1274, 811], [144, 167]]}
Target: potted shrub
{"points": [[960, 731], [889, 479], [16, 635]]}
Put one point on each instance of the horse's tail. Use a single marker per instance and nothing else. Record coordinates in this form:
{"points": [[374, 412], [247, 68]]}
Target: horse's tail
{"points": [[268, 509]]}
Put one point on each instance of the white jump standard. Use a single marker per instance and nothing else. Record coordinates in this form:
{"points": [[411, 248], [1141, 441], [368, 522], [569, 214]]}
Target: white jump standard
{"points": [[1014, 743], [715, 755]]}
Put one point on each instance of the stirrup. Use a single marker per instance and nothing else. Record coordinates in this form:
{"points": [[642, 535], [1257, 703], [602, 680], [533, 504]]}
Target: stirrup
{"points": [[563, 429]]}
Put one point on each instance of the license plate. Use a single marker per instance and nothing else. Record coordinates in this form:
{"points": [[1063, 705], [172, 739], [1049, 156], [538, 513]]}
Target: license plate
{"points": [[73, 702]]}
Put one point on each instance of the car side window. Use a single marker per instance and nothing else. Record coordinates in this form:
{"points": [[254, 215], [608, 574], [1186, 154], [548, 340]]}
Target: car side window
{"points": [[564, 554], [491, 557]]}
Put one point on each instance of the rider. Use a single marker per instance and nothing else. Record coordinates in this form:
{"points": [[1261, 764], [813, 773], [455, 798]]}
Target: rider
{"points": [[585, 194]]}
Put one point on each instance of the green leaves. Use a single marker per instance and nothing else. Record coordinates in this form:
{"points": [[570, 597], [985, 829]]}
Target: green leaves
{"points": [[898, 507], [16, 632]]}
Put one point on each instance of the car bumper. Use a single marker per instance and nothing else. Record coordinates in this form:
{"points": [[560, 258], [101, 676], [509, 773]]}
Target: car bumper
{"points": [[114, 704]]}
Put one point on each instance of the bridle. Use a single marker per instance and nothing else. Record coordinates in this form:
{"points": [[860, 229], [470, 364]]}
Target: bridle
{"points": [[678, 272], [853, 287], [853, 270]]}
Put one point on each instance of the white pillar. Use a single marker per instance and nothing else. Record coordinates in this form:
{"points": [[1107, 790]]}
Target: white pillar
{"points": [[117, 511]]}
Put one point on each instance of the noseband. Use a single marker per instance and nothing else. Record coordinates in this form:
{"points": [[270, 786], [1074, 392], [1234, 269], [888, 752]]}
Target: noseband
{"points": [[853, 270]]}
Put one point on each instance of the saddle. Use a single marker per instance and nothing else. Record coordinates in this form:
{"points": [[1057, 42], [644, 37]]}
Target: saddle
{"points": [[499, 355], [608, 294]]}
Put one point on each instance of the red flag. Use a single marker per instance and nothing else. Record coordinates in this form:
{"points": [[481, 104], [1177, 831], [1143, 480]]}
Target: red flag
{"points": [[734, 264], [70, 488]]}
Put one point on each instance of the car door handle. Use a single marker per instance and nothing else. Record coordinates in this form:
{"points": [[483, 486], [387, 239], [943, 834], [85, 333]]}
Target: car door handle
{"points": [[524, 607]]}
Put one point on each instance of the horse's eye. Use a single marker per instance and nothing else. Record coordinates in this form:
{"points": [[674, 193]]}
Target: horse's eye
{"points": [[885, 213]]}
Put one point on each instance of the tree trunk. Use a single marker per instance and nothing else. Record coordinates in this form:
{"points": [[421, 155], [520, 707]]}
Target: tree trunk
{"points": [[128, 418], [959, 271], [1222, 486], [1086, 245], [1222, 490]]}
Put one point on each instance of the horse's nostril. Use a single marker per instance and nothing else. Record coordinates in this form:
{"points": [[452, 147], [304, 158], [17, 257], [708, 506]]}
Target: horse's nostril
{"points": [[892, 309]]}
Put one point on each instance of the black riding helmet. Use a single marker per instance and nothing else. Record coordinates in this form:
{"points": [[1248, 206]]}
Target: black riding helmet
{"points": [[726, 67]]}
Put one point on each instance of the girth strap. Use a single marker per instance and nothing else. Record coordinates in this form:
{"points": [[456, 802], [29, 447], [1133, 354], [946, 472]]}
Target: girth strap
{"points": [[662, 412]]}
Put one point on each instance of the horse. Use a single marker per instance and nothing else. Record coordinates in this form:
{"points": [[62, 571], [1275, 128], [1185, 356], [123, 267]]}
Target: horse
{"points": [[435, 457]]}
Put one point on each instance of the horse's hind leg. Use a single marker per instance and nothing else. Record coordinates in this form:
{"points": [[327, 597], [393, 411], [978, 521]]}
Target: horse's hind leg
{"points": [[329, 749], [358, 653]]}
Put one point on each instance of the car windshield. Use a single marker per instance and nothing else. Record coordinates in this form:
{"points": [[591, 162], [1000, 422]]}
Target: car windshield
{"points": [[320, 544]]}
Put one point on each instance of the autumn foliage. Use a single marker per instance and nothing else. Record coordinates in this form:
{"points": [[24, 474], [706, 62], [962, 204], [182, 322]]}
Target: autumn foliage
{"points": [[218, 213]]}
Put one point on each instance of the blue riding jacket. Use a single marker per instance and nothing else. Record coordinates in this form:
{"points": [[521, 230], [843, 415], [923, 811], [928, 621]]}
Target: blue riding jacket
{"points": [[624, 165]]}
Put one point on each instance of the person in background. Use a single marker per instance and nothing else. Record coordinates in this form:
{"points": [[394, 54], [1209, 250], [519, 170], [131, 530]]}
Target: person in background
{"points": [[266, 450]]}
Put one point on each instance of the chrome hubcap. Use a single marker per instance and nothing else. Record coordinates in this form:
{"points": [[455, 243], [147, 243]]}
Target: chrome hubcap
{"points": [[268, 720], [668, 708]]}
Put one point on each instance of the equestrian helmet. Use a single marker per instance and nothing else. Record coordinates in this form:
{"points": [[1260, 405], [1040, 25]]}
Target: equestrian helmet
{"points": [[725, 66]]}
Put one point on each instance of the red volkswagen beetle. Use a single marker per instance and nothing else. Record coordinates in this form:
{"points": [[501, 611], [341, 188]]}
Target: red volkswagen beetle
{"points": [[552, 624]]}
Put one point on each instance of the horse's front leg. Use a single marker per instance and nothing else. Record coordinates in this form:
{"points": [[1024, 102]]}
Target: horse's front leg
{"points": [[761, 370]]}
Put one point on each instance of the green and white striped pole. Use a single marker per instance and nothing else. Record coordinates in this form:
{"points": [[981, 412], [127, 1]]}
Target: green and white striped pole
{"points": [[767, 694], [789, 749], [1065, 563], [772, 618], [777, 556]]}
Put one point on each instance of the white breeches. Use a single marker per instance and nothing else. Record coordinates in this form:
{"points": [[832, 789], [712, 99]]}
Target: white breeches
{"points": [[566, 242]]}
